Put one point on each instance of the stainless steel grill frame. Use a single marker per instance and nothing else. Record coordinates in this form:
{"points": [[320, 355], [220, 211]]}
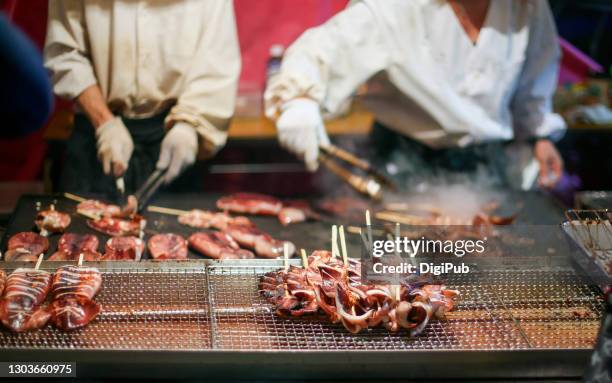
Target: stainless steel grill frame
{"points": [[208, 315]]}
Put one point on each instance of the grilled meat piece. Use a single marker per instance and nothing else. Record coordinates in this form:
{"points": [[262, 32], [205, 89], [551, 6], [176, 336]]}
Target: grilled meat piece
{"points": [[167, 246], [21, 305], [218, 245], [26, 247], [296, 212], [123, 249], [250, 203], [262, 243], [88, 256], [203, 219], [96, 209], [51, 221], [289, 215], [116, 227], [71, 245], [73, 289]]}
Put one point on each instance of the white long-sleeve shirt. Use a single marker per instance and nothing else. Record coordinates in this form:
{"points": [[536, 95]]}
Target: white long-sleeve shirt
{"points": [[427, 79], [148, 56]]}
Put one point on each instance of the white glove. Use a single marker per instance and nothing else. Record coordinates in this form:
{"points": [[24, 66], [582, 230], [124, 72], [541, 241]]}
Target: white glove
{"points": [[300, 130], [115, 146], [178, 150]]}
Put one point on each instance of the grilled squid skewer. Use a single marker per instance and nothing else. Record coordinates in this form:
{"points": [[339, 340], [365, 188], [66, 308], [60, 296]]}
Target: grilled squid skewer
{"points": [[73, 290], [21, 307]]}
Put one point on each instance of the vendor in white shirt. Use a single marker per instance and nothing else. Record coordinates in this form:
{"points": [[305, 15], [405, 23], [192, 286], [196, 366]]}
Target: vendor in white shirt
{"points": [[451, 81], [154, 81]]}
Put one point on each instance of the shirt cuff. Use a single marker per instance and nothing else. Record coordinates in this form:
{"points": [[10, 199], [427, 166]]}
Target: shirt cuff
{"points": [[553, 127], [287, 87], [212, 136]]}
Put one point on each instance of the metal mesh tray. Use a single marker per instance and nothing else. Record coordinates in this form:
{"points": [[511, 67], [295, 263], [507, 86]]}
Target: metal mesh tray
{"points": [[142, 310], [216, 306]]}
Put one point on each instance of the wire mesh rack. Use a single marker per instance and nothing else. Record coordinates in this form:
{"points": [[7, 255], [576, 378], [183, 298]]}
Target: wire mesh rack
{"points": [[504, 310], [213, 306], [141, 310]]}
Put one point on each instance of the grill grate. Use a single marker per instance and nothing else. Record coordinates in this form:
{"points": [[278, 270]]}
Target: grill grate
{"points": [[142, 310], [497, 311], [218, 308]]}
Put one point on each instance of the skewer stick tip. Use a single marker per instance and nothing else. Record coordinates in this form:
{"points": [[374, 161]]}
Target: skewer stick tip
{"points": [[343, 245], [40, 259], [304, 258], [368, 219], [81, 256], [74, 197], [334, 241], [286, 255]]}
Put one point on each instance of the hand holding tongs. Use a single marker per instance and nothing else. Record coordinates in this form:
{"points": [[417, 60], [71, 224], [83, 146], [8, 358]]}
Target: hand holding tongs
{"points": [[370, 185], [143, 195]]}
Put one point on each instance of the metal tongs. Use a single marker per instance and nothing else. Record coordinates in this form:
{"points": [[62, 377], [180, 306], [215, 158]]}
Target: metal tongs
{"points": [[371, 184], [143, 195]]}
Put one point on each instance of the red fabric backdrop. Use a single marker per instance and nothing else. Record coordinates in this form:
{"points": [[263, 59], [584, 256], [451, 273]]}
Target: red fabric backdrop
{"points": [[262, 23]]}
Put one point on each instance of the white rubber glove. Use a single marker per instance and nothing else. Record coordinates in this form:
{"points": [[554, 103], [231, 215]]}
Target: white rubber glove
{"points": [[115, 146], [178, 150], [300, 130]]}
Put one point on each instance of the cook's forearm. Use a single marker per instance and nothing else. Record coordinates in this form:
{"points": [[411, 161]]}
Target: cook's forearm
{"points": [[94, 105]]}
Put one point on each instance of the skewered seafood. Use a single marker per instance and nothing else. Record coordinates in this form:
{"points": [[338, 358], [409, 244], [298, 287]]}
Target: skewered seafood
{"points": [[295, 212], [71, 245], [167, 246], [260, 204], [73, 289], [203, 219], [96, 209], [123, 249], [218, 245], [25, 247], [51, 221], [21, 305], [262, 243], [331, 287], [250, 203], [118, 226]]}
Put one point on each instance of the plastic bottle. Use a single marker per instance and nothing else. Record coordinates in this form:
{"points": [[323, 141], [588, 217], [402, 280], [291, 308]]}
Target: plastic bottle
{"points": [[274, 61]]}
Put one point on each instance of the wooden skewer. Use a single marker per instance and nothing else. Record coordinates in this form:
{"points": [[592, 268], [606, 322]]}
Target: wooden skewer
{"points": [[81, 256], [40, 259], [343, 246], [369, 226], [74, 197], [166, 210], [286, 255], [304, 258], [357, 230], [334, 240]]}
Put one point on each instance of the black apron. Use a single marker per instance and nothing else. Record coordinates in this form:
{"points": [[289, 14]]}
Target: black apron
{"points": [[410, 163], [83, 172]]}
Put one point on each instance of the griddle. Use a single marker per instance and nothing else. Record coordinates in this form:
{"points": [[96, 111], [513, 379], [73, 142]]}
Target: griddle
{"points": [[308, 235], [524, 318], [537, 209]]}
